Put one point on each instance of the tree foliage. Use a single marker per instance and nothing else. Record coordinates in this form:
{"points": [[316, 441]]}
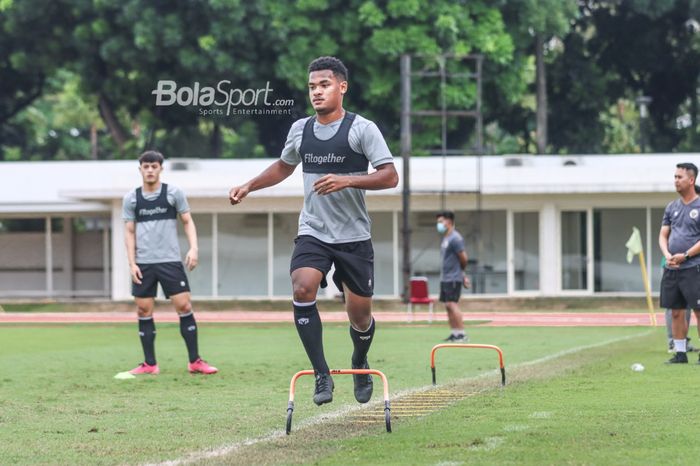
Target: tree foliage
{"points": [[78, 75]]}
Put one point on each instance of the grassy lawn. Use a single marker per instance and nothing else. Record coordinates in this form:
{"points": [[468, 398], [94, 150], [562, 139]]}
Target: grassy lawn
{"points": [[601, 413], [587, 407], [59, 403]]}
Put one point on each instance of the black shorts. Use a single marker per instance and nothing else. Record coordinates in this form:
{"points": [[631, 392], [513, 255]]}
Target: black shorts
{"points": [[354, 262], [171, 276], [450, 292], [680, 288]]}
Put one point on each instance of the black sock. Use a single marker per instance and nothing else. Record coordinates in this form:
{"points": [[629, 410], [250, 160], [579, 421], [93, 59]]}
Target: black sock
{"points": [[361, 341], [308, 324], [188, 330], [147, 332]]}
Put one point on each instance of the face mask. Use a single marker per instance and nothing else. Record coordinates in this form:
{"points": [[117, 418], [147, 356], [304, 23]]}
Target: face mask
{"points": [[441, 228]]}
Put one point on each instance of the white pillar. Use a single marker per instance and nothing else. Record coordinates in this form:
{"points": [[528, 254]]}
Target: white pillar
{"points": [[550, 251], [215, 254], [270, 253], [396, 252], [649, 234], [510, 253], [106, 257], [48, 251], [121, 281], [590, 286], [69, 255]]}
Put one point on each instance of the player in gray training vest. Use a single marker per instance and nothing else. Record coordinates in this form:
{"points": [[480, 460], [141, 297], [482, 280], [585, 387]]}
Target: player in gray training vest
{"points": [[453, 259], [152, 247], [334, 148]]}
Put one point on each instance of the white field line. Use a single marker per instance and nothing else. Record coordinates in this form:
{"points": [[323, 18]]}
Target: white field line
{"points": [[224, 450]]}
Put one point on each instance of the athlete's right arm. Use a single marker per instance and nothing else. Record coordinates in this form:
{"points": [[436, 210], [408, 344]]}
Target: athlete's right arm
{"points": [[275, 173], [130, 239]]}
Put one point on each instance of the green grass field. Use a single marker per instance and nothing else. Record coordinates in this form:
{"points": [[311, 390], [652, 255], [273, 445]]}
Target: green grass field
{"points": [[59, 403]]}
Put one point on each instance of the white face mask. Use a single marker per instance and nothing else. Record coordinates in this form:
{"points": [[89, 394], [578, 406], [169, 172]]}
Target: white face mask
{"points": [[441, 228]]}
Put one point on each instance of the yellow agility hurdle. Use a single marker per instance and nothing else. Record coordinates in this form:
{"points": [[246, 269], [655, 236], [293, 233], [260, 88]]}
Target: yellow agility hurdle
{"points": [[468, 345], [292, 387]]}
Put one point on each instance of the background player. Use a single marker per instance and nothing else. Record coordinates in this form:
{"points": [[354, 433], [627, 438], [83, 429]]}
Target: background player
{"points": [[152, 247]]}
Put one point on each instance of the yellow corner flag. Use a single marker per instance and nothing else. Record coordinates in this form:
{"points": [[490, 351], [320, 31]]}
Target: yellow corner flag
{"points": [[634, 247]]}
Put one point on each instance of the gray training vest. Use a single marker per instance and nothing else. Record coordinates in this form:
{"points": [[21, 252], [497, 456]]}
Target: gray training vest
{"points": [[333, 155], [157, 209]]}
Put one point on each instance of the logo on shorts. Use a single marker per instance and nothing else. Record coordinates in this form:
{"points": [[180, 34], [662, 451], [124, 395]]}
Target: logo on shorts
{"points": [[183, 283], [369, 283], [366, 338], [303, 321], [191, 328], [693, 214]]}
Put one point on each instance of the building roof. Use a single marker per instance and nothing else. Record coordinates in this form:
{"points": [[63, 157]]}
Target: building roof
{"points": [[83, 186]]}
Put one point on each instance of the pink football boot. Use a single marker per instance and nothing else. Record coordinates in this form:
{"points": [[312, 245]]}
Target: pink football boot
{"points": [[202, 367], [144, 368]]}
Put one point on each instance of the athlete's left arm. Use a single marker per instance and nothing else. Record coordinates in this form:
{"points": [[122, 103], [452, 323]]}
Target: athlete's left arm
{"points": [[463, 260], [192, 257], [384, 178]]}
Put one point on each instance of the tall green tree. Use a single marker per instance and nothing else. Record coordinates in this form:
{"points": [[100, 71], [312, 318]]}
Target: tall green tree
{"points": [[32, 47], [370, 37], [537, 26], [621, 50]]}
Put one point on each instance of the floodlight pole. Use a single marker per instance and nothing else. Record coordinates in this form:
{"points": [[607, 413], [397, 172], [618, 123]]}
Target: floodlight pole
{"points": [[406, 157], [643, 102], [443, 113]]}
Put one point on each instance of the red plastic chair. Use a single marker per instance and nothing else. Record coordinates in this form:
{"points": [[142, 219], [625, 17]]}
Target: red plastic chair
{"points": [[419, 295]]}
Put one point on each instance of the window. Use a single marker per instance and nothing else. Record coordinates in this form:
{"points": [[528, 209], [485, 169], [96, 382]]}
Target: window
{"points": [[484, 236], [574, 255], [383, 242], [201, 277], [242, 255], [611, 230], [526, 251], [286, 227]]}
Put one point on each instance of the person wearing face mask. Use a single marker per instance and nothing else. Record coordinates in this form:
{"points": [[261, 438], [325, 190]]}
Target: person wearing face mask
{"points": [[453, 258]]}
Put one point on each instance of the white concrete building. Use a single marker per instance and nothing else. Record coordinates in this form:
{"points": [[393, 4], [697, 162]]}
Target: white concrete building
{"points": [[533, 225]]}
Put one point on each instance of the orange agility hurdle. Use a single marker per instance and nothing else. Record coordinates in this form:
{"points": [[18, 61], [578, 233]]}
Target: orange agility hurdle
{"points": [[292, 385], [468, 345]]}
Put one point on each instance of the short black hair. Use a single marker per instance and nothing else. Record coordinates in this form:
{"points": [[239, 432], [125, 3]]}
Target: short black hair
{"points": [[330, 63], [151, 156], [447, 214], [691, 167]]}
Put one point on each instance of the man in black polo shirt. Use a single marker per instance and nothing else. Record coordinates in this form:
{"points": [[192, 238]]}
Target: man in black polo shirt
{"points": [[679, 240]]}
